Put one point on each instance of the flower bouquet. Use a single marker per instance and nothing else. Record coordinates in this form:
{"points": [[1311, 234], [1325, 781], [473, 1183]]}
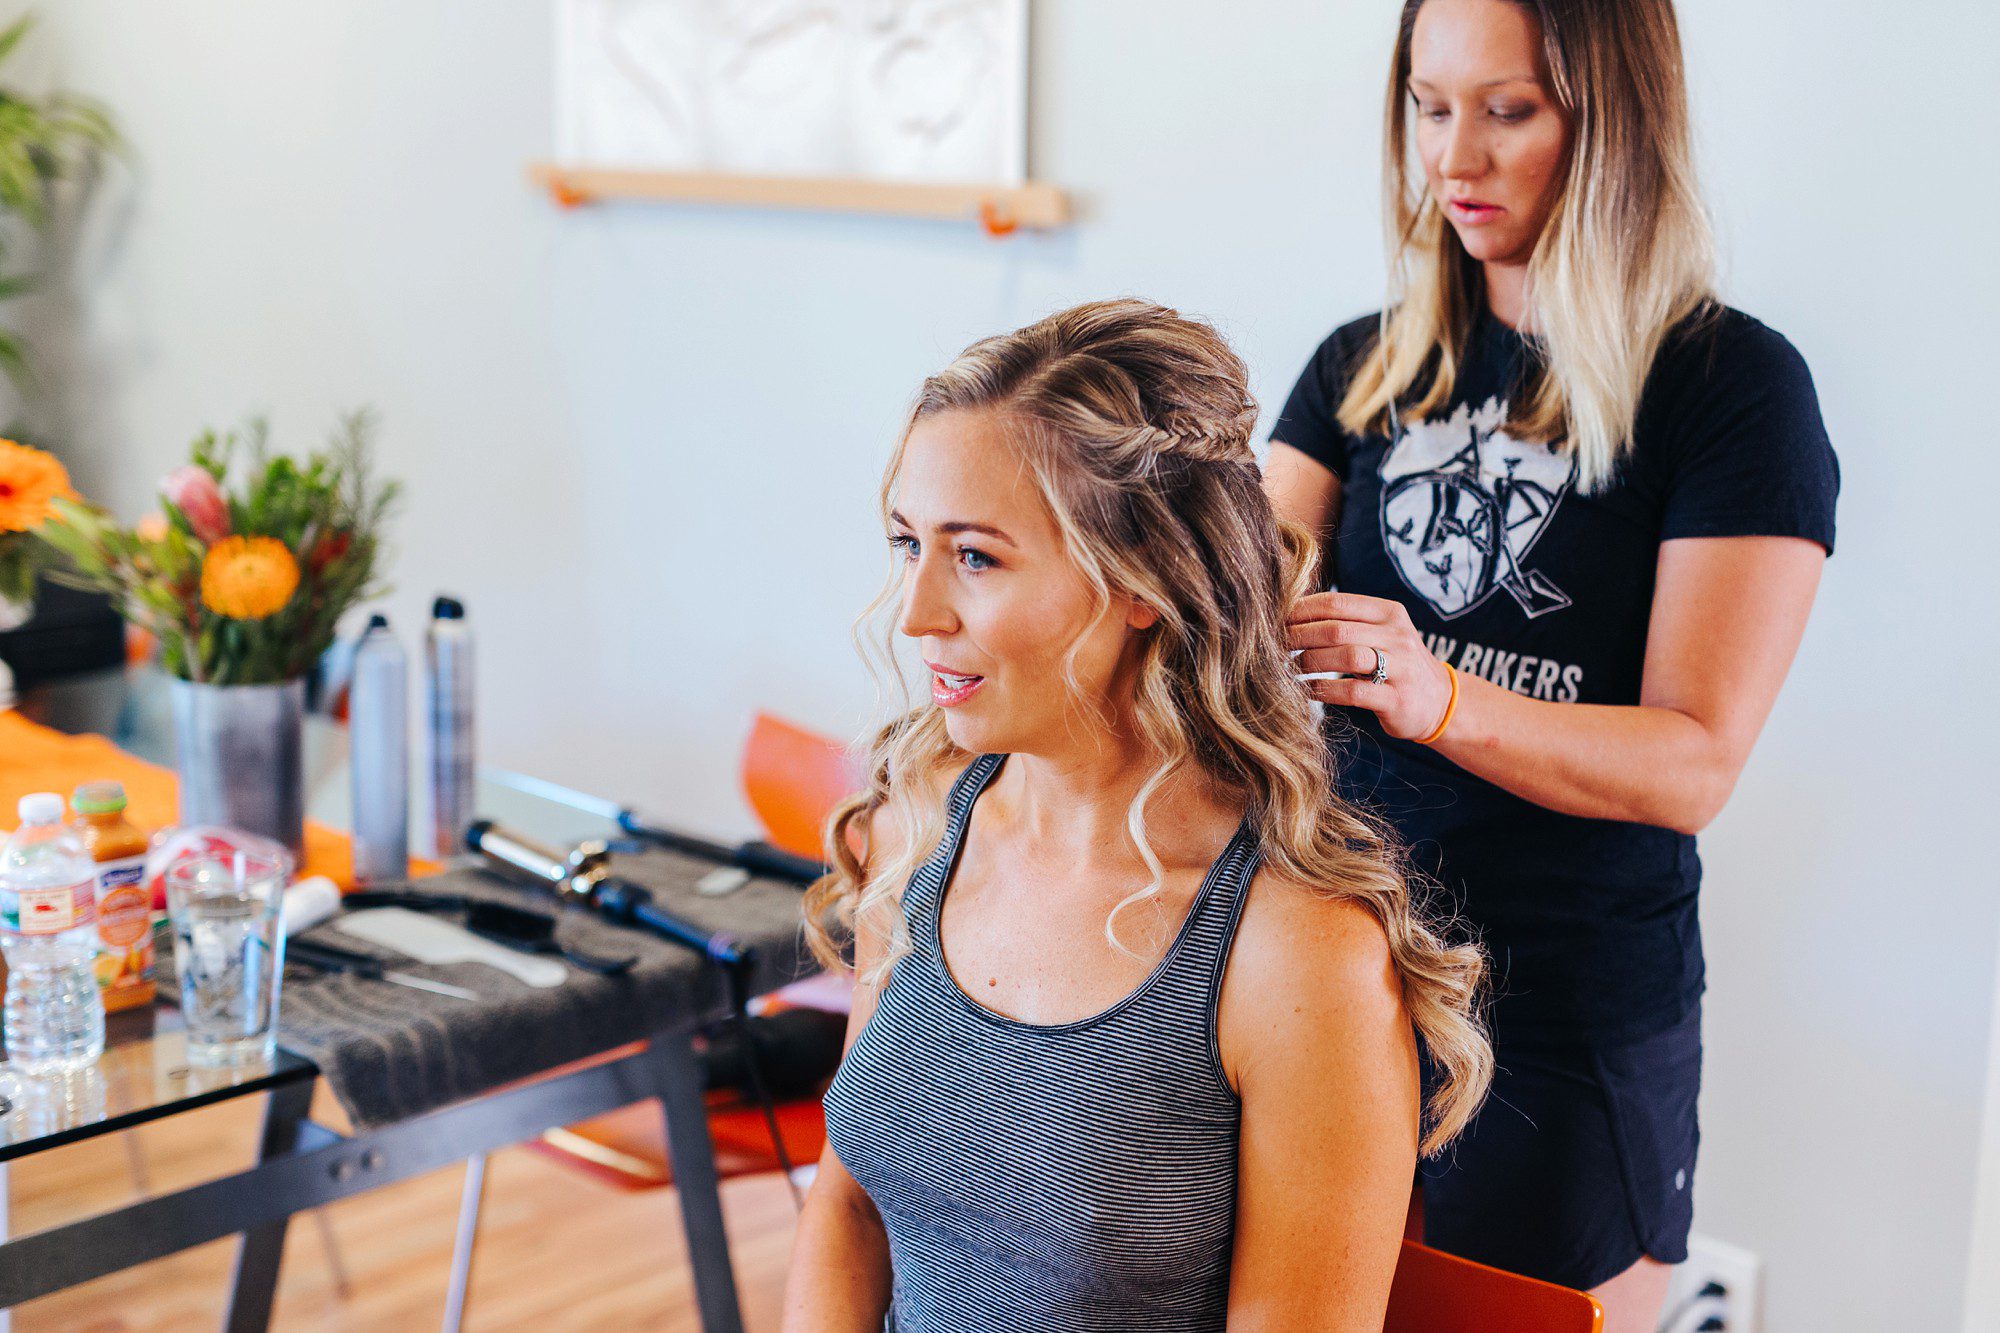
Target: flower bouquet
{"points": [[243, 588]]}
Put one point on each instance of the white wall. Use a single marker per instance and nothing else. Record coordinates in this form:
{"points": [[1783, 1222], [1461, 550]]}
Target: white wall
{"points": [[642, 441], [1982, 1284]]}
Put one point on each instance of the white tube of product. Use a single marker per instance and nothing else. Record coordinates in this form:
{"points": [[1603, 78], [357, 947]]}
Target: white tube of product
{"points": [[379, 750], [309, 902], [453, 770]]}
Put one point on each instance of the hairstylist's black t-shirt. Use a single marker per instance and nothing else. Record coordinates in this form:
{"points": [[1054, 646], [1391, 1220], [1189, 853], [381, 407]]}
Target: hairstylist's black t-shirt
{"points": [[1511, 574]]}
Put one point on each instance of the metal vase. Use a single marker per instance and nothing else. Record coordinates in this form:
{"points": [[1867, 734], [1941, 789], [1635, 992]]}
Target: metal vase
{"points": [[240, 753]]}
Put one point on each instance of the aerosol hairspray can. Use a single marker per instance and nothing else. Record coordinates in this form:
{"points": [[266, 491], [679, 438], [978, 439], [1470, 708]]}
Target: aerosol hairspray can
{"points": [[379, 736], [448, 663]]}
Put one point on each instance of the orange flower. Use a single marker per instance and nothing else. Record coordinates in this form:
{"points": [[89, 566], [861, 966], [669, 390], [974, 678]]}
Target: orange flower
{"points": [[248, 578], [29, 480]]}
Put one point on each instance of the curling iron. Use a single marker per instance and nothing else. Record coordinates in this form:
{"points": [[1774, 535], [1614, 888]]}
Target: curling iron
{"points": [[584, 876], [759, 858]]}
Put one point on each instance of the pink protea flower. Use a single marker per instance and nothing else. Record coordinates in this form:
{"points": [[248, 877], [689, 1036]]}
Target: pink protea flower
{"points": [[193, 491]]}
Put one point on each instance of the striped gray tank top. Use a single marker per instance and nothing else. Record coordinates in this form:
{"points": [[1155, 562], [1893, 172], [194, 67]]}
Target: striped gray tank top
{"points": [[1079, 1176]]}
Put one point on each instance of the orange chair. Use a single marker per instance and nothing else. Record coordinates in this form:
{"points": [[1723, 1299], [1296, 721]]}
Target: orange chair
{"points": [[627, 1147], [794, 778], [1435, 1292]]}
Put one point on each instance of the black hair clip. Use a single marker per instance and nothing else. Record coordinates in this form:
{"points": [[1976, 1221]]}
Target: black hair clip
{"points": [[534, 932]]}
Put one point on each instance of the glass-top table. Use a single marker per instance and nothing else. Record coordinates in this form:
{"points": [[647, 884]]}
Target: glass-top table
{"points": [[144, 1074]]}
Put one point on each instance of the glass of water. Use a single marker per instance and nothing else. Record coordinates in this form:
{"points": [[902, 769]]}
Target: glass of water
{"points": [[229, 949]]}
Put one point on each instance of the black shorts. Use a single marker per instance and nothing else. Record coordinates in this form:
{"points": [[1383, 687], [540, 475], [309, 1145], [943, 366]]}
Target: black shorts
{"points": [[1580, 1161]]}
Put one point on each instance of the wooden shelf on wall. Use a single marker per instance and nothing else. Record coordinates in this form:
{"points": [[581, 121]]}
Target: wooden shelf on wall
{"points": [[998, 208]]}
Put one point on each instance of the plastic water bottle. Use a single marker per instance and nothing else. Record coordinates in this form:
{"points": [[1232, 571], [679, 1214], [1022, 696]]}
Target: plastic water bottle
{"points": [[378, 723], [48, 927], [448, 659]]}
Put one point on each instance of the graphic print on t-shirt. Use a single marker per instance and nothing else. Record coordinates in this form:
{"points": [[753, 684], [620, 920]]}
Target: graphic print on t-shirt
{"points": [[1462, 505]]}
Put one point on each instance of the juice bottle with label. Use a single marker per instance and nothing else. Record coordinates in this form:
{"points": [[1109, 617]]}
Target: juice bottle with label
{"points": [[124, 912]]}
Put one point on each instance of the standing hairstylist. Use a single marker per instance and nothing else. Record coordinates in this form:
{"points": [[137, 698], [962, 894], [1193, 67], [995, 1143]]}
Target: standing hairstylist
{"points": [[1576, 512]]}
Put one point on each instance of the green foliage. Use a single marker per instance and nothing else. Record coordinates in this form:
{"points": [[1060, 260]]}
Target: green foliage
{"points": [[328, 509], [42, 140], [20, 561]]}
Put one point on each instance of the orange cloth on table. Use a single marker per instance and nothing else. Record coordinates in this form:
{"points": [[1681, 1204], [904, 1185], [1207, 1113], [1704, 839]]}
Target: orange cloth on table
{"points": [[36, 758]]}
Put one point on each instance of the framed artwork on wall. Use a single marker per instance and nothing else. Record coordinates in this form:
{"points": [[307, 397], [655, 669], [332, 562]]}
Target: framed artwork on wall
{"points": [[915, 106]]}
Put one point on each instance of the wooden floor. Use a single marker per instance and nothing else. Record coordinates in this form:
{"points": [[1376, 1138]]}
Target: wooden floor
{"points": [[557, 1249]]}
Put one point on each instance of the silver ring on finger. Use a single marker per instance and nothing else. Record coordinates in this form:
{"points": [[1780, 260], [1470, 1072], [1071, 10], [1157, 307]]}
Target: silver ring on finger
{"points": [[1381, 676]]}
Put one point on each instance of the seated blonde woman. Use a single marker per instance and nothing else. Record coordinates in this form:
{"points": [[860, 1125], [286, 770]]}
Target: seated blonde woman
{"points": [[1140, 1004]]}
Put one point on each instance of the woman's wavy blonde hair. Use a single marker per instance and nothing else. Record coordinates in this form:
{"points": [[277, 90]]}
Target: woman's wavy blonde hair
{"points": [[1626, 255], [1135, 423]]}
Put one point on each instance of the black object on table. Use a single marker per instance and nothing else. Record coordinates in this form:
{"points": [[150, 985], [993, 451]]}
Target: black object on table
{"points": [[759, 858], [71, 631]]}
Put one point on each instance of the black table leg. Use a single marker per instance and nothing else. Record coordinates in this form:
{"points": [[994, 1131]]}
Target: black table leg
{"points": [[676, 1081], [255, 1284]]}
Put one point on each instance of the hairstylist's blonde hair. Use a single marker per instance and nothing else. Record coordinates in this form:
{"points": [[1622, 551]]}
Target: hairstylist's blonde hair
{"points": [[1135, 424], [1626, 254]]}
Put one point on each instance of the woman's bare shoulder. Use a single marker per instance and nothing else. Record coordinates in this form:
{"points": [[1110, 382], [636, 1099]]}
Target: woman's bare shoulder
{"points": [[1311, 974], [1291, 929]]}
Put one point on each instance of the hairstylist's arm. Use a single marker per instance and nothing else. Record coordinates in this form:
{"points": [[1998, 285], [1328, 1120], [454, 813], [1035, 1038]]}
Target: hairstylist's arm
{"points": [[840, 1277], [1728, 614], [1317, 1042]]}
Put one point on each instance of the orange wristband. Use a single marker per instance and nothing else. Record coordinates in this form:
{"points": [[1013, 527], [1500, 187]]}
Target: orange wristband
{"points": [[1451, 706]]}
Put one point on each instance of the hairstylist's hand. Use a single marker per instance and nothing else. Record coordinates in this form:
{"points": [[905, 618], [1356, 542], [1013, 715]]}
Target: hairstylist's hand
{"points": [[1340, 631]]}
